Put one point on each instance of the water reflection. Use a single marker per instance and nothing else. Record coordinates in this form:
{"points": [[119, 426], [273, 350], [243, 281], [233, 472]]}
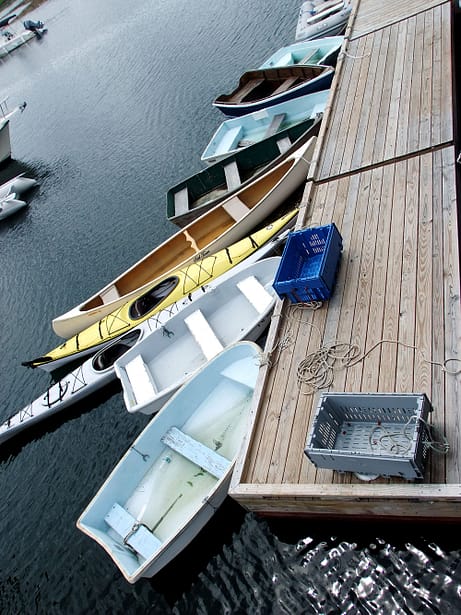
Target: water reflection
{"points": [[266, 569]]}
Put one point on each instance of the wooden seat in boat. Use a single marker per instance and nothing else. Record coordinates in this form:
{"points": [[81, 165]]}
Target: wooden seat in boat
{"points": [[236, 208], [134, 534], [255, 292], [203, 334], [193, 450], [141, 381], [231, 171], [229, 140], [275, 124], [283, 144], [242, 92], [181, 201], [286, 85], [110, 294]]}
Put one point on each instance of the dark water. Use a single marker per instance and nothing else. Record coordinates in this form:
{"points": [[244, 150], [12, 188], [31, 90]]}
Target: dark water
{"points": [[118, 110]]}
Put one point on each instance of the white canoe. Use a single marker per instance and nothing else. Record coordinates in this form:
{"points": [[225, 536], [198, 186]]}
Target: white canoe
{"points": [[238, 309], [78, 384], [218, 228], [18, 185], [177, 472], [10, 205]]}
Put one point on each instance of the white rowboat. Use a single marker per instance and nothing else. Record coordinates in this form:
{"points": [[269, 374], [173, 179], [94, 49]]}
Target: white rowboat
{"points": [[177, 472], [239, 308]]}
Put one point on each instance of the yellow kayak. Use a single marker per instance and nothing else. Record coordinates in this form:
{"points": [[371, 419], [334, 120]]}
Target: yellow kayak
{"points": [[159, 296]]}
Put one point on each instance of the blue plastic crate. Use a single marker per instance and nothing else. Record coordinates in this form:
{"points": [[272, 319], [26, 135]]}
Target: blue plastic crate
{"points": [[309, 264]]}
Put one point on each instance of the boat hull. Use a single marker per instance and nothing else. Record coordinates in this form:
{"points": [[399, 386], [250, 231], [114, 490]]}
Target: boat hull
{"points": [[17, 185], [5, 142], [164, 489], [325, 23], [318, 51], [10, 206], [7, 46]]}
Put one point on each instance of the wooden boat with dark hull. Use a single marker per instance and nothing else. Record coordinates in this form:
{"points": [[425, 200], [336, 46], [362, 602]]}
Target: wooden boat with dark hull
{"points": [[262, 88], [215, 230], [202, 191]]}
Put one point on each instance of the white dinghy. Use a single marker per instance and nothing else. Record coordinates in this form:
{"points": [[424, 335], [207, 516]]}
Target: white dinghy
{"points": [[10, 205], [239, 308], [177, 472], [17, 185]]}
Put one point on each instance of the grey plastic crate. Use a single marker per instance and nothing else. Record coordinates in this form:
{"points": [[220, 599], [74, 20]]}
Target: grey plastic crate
{"points": [[371, 433]]}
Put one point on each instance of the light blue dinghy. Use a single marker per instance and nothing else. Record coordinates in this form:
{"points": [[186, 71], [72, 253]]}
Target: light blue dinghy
{"points": [[177, 472], [317, 51], [240, 132]]}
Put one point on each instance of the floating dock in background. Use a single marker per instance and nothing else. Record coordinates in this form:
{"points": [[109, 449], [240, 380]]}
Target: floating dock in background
{"points": [[384, 172]]}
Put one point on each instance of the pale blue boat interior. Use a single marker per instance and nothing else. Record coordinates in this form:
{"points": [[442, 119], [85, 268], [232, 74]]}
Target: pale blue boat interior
{"points": [[316, 51], [160, 487], [244, 130]]}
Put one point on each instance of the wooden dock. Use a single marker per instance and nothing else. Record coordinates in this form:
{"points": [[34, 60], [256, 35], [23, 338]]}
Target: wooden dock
{"points": [[385, 172]]}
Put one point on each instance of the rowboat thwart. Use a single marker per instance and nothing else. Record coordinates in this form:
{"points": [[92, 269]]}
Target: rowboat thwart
{"points": [[216, 229]]}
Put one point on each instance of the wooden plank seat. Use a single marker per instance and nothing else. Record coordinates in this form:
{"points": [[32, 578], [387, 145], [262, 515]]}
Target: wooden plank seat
{"points": [[283, 144], [255, 293], [286, 85], [141, 380], [275, 124], [245, 90], [110, 294], [134, 534], [231, 171], [203, 334], [236, 208], [181, 201], [229, 140], [309, 57], [193, 450]]}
